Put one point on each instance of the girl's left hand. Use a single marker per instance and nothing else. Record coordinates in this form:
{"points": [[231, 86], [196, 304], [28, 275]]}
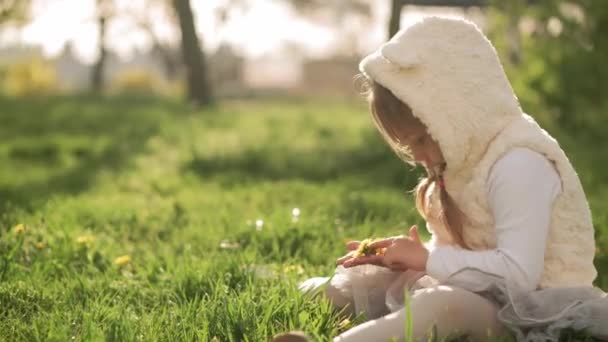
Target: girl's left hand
{"points": [[402, 253]]}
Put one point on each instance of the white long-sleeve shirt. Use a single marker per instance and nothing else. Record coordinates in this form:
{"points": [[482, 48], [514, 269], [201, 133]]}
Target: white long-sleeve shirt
{"points": [[522, 186]]}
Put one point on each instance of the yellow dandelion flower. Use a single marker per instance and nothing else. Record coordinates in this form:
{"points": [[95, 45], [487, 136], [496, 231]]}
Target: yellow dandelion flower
{"points": [[19, 229], [84, 239], [40, 245], [344, 324], [294, 268], [365, 250], [122, 260]]}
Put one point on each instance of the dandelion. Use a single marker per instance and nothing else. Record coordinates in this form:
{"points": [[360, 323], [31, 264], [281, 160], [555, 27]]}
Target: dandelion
{"points": [[295, 214], [344, 324], [259, 224], [365, 250], [19, 229], [40, 245], [122, 260], [225, 244], [84, 239], [298, 269]]}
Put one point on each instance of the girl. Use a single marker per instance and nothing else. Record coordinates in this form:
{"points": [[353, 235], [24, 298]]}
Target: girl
{"points": [[512, 238]]}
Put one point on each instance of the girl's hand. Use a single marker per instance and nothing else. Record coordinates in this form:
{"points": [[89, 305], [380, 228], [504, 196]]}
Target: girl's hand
{"points": [[351, 246], [402, 253]]}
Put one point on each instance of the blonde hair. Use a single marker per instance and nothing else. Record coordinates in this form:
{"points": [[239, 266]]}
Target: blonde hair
{"points": [[391, 117]]}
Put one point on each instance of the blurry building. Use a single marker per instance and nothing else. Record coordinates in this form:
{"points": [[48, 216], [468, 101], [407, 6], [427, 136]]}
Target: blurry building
{"points": [[329, 77], [230, 74], [226, 72], [18, 53], [72, 74]]}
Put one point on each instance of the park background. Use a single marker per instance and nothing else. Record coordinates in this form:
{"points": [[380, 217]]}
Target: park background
{"points": [[172, 169]]}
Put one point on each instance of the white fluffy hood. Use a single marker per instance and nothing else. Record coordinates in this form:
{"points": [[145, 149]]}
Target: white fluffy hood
{"points": [[448, 72]]}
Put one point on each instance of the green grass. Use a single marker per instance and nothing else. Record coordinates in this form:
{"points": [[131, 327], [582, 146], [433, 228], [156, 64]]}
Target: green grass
{"points": [[94, 179]]}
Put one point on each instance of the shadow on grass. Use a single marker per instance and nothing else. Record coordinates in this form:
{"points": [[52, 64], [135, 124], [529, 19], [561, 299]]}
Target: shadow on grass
{"points": [[59, 145], [372, 165]]}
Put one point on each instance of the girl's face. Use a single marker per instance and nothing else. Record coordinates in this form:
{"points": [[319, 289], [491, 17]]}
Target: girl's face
{"points": [[399, 125], [424, 150]]}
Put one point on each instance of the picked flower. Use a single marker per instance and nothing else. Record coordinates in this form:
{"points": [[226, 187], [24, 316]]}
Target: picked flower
{"points": [[19, 229], [122, 260], [365, 249]]}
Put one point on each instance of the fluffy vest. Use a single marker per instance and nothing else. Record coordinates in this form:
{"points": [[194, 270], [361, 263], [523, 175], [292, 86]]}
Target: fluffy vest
{"points": [[449, 74], [570, 245]]}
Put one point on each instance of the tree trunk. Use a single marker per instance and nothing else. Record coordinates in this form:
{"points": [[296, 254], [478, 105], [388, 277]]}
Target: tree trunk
{"points": [[97, 77], [199, 89], [394, 22], [397, 5]]}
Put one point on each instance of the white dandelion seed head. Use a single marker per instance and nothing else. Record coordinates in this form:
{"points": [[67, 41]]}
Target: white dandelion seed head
{"points": [[259, 224], [295, 212]]}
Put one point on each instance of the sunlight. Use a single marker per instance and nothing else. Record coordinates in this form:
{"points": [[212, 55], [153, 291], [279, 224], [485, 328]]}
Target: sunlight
{"points": [[57, 22]]}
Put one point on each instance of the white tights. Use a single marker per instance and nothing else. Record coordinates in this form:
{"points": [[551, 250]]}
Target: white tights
{"points": [[452, 310]]}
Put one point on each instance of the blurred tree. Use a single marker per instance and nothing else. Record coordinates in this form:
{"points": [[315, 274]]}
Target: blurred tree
{"points": [[145, 20], [561, 73], [105, 10], [14, 11], [394, 21], [199, 89], [317, 9], [29, 77], [348, 16], [397, 6]]}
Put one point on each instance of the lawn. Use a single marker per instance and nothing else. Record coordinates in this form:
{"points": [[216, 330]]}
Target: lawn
{"points": [[141, 219]]}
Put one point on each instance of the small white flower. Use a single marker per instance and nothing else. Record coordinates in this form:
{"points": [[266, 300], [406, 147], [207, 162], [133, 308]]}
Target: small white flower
{"points": [[295, 212], [225, 244], [259, 224]]}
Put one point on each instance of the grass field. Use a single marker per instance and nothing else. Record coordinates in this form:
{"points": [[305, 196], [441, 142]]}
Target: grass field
{"points": [[146, 220]]}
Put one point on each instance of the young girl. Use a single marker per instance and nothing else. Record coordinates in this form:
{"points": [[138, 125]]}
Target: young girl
{"points": [[512, 238]]}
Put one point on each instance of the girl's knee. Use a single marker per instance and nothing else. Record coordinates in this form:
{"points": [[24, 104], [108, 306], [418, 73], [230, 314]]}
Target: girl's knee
{"points": [[323, 286], [455, 310], [443, 301]]}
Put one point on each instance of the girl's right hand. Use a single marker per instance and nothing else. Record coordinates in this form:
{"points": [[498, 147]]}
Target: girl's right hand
{"points": [[351, 247], [401, 253]]}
